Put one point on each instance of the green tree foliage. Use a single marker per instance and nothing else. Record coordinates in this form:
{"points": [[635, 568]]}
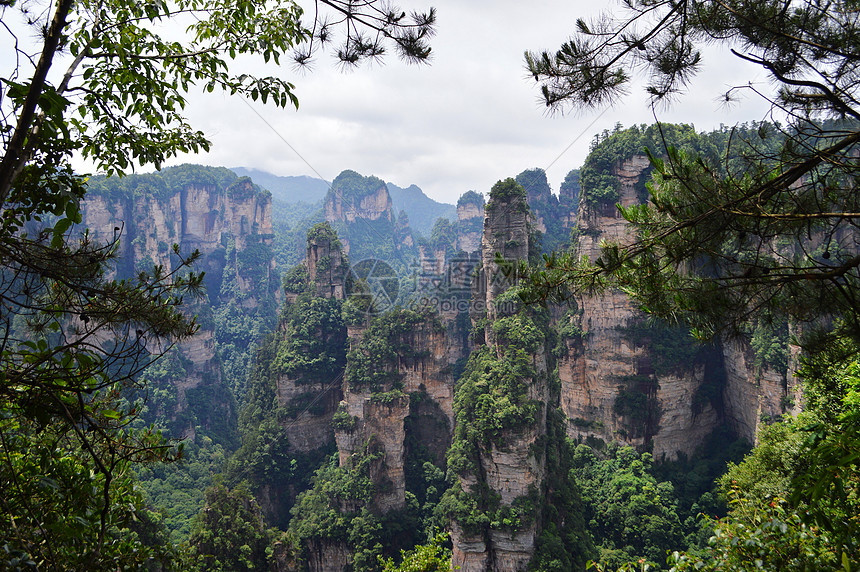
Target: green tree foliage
{"points": [[57, 513], [373, 363], [563, 542], [695, 479], [114, 47], [771, 231], [506, 192], [229, 534], [766, 473], [310, 348], [314, 347], [430, 557], [491, 398], [806, 48], [177, 489], [630, 514], [74, 340], [767, 536], [336, 508]]}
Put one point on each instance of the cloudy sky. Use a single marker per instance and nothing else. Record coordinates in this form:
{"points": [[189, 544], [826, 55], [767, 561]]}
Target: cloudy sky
{"points": [[471, 117]]}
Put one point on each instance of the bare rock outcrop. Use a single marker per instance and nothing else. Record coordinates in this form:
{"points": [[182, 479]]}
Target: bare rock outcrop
{"points": [[148, 217], [373, 206], [326, 263], [470, 222], [515, 470], [360, 209], [606, 368], [755, 394]]}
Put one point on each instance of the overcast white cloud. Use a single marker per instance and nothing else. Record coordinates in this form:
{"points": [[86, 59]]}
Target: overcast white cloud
{"points": [[467, 120]]}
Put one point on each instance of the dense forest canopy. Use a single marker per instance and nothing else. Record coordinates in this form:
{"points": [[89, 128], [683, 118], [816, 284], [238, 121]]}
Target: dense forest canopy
{"points": [[75, 338], [762, 234], [270, 415]]}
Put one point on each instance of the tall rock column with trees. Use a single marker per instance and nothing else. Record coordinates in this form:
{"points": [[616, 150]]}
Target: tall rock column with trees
{"points": [[500, 405], [643, 384], [759, 242], [74, 340]]}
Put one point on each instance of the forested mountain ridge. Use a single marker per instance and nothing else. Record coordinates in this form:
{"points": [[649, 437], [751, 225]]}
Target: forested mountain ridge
{"points": [[365, 427], [226, 218], [653, 386], [421, 209]]}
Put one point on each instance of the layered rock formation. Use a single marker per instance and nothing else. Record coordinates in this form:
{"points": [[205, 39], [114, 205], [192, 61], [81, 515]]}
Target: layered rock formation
{"points": [[196, 216], [326, 263], [610, 388], [510, 468], [226, 219], [755, 395], [420, 367], [359, 208], [344, 203], [470, 222]]}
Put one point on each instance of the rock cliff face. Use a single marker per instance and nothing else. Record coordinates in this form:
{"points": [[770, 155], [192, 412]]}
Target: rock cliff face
{"points": [[327, 265], [470, 222], [194, 216], [568, 199], [506, 232], [515, 470], [551, 214], [375, 205], [380, 414], [755, 395], [229, 223], [608, 375], [360, 210], [393, 391]]}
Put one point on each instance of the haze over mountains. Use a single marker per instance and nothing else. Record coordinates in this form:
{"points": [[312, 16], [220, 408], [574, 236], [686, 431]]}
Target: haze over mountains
{"points": [[369, 376], [421, 209]]}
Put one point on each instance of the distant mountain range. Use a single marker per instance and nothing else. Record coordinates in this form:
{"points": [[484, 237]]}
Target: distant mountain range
{"points": [[302, 189], [421, 209]]}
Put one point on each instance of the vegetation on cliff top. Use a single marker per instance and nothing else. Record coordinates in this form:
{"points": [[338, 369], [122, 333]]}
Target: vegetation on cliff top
{"points": [[765, 237]]}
